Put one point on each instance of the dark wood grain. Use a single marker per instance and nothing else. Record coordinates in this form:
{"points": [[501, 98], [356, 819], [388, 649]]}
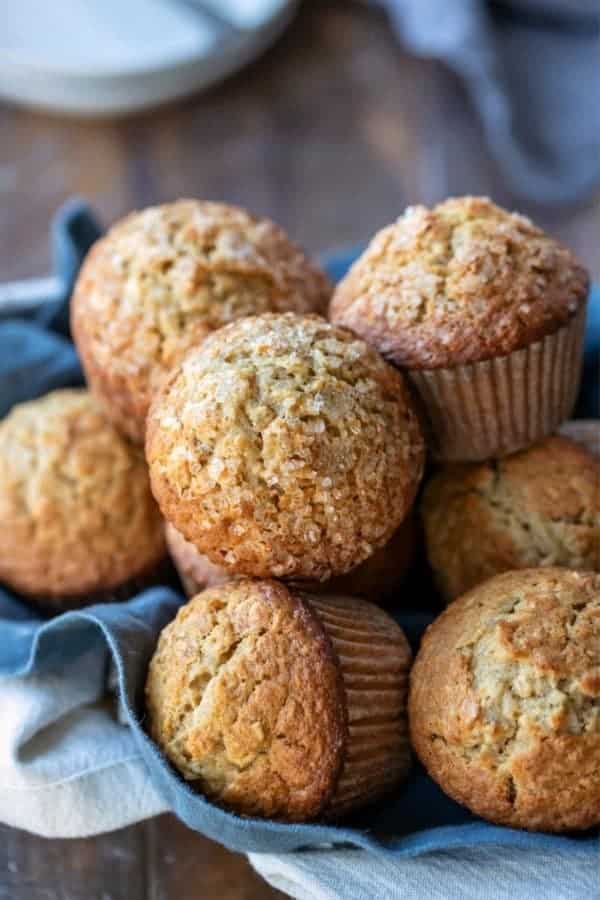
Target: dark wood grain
{"points": [[332, 133], [181, 865], [111, 867], [157, 860]]}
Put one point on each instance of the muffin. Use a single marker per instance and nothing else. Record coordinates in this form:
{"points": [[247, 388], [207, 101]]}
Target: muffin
{"points": [[78, 522], [195, 571], [540, 507], [504, 700], [376, 578], [284, 447], [585, 432], [164, 278], [277, 703], [484, 312]]}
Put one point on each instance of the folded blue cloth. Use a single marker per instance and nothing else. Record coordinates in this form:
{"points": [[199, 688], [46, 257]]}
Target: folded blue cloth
{"points": [[36, 355], [531, 70]]}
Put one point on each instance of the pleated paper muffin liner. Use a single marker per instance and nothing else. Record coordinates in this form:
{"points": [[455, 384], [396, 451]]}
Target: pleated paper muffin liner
{"points": [[498, 406], [161, 573], [585, 432], [374, 661], [195, 571], [376, 578]]}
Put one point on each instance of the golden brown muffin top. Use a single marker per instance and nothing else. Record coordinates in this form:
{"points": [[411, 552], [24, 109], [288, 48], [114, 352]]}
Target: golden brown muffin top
{"points": [[163, 278], [76, 511], [505, 699], [539, 507], [245, 698], [284, 447], [462, 282]]}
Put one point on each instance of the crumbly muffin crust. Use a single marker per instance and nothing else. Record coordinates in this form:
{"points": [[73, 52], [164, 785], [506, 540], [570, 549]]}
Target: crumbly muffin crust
{"points": [[76, 512], [284, 447], [375, 578], [276, 703], [462, 282], [164, 278], [504, 702], [245, 699], [540, 507]]}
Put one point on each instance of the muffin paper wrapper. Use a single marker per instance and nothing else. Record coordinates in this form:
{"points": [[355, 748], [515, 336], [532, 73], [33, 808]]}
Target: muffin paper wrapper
{"points": [[498, 406], [188, 563], [375, 677], [160, 573], [375, 579]]}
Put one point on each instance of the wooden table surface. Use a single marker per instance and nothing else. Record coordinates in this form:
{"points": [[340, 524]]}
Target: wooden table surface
{"points": [[332, 133]]}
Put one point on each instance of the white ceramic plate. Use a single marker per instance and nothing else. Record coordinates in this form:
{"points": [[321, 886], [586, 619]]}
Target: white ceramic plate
{"points": [[113, 57]]}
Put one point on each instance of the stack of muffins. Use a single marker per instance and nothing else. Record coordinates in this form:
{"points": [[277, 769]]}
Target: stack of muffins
{"points": [[285, 454]]}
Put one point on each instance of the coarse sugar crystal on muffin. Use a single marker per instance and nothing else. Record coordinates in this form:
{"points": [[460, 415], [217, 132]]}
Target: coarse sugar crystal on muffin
{"points": [[504, 703], [460, 283], [77, 518], [540, 507], [376, 578], [486, 314], [277, 703], [284, 447], [164, 278]]}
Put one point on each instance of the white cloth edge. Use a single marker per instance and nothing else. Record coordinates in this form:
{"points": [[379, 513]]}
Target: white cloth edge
{"points": [[476, 873], [84, 805]]}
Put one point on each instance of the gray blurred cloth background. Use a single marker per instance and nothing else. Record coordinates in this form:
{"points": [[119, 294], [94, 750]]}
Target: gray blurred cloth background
{"points": [[532, 69]]}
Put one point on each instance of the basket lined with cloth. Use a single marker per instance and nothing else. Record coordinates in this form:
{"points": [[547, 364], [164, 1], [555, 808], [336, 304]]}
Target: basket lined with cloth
{"points": [[71, 765]]}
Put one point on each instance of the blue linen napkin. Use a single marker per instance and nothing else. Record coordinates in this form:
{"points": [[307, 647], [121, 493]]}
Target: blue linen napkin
{"points": [[475, 873], [532, 71], [36, 355]]}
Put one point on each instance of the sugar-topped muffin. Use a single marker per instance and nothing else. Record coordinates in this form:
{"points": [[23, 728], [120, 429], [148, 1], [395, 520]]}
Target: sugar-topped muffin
{"points": [[277, 703], [540, 507], [284, 447], [459, 283], [504, 700], [444, 291], [77, 517], [164, 278], [376, 578]]}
